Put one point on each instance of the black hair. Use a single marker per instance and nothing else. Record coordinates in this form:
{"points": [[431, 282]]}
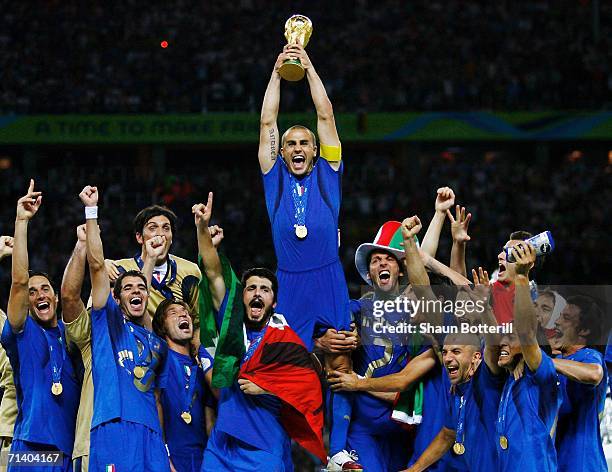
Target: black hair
{"points": [[152, 211], [130, 273], [39, 273], [159, 317], [520, 235], [261, 272], [591, 318]]}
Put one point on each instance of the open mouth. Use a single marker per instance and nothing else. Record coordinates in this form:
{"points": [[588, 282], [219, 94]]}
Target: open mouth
{"points": [[453, 370], [502, 268], [558, 333], [504, 354], [43, 307], [384, 276], [136, 302], [256, 306], [184, 325], [298, 161]]}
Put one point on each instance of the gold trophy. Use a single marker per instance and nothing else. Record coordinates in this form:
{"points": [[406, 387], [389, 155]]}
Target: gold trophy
{"points": [[298, 29]]}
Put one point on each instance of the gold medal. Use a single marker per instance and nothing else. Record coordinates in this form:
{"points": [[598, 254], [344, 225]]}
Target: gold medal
{"points": [[139, 372], [301, 231], [56, 388], [503, 442], [459, 448], [186, 417]]}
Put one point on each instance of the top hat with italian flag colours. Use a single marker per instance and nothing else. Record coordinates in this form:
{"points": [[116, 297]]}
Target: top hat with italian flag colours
{"points": [[388, 239]]}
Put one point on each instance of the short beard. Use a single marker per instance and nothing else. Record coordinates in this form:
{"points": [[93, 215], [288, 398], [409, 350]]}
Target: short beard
{"points": [[259, 325]]}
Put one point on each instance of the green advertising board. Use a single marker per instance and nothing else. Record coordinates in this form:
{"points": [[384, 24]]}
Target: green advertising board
{"points": [[244, 127]]}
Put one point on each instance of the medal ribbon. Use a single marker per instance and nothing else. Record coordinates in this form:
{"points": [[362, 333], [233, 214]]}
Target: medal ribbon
{"points": [[299, 193], [56, 358], [461, 423], [131, 344], [503, 407], [190, 382]]}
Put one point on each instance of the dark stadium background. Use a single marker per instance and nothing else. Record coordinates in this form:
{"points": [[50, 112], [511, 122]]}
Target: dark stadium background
{"points": [[550, 57]]}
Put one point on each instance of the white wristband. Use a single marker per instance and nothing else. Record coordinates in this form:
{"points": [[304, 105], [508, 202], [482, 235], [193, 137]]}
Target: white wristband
{"points": [[91, 213], [167, 449]]}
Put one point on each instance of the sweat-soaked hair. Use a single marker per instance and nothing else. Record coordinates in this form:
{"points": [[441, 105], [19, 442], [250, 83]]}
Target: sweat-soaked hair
{"points": [[159, 318], [261, 272], [144, 215], [119, 281]]}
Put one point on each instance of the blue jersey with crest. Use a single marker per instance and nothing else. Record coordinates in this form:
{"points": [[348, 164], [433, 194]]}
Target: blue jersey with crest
{"points": [[322, 192], [118, 345]]}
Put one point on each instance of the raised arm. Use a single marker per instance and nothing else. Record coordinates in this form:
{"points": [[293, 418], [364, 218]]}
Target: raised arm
{"points": [[326, 123], [398, 382], [525, 321], [582, 372], [207, 251], [72, 282], [18, 302], [459, 231], [268, 126], [445, 198], [100, 283], [154, 248]]}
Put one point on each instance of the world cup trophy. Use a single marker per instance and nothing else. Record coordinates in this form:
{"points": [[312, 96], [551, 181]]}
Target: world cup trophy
{"points": [[298, 29]]}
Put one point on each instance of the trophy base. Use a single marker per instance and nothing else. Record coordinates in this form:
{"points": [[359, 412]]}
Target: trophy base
{"points": [[292, 70]]}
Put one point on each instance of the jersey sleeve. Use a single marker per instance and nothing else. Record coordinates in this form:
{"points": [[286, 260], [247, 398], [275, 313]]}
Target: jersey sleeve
{"points": [[161, 376], [111, 311], [79, 330], [35, 339]]}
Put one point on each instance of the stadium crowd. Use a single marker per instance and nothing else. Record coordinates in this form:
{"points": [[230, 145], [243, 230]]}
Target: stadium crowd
{"points": [[64, 57], [557, 188]]}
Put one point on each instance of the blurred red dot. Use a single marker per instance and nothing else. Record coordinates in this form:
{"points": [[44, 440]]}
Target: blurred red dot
{"points": [[164, 44]]}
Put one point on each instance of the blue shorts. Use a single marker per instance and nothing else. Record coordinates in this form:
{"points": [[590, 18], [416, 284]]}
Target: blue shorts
{"points": [[128, 446], [314, 300], [226, 453], [19, 446], [188, 460]]}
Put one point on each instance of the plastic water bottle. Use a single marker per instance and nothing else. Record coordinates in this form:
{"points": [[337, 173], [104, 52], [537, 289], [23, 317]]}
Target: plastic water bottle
{"points": [[543, 244]]}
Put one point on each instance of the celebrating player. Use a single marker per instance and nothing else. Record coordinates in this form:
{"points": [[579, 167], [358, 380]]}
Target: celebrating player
{"points": [[34, 340], [473, 398], [529, 406], [187, 403], [584, 375], [128, 361], [269, 389], [303, 201]]}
